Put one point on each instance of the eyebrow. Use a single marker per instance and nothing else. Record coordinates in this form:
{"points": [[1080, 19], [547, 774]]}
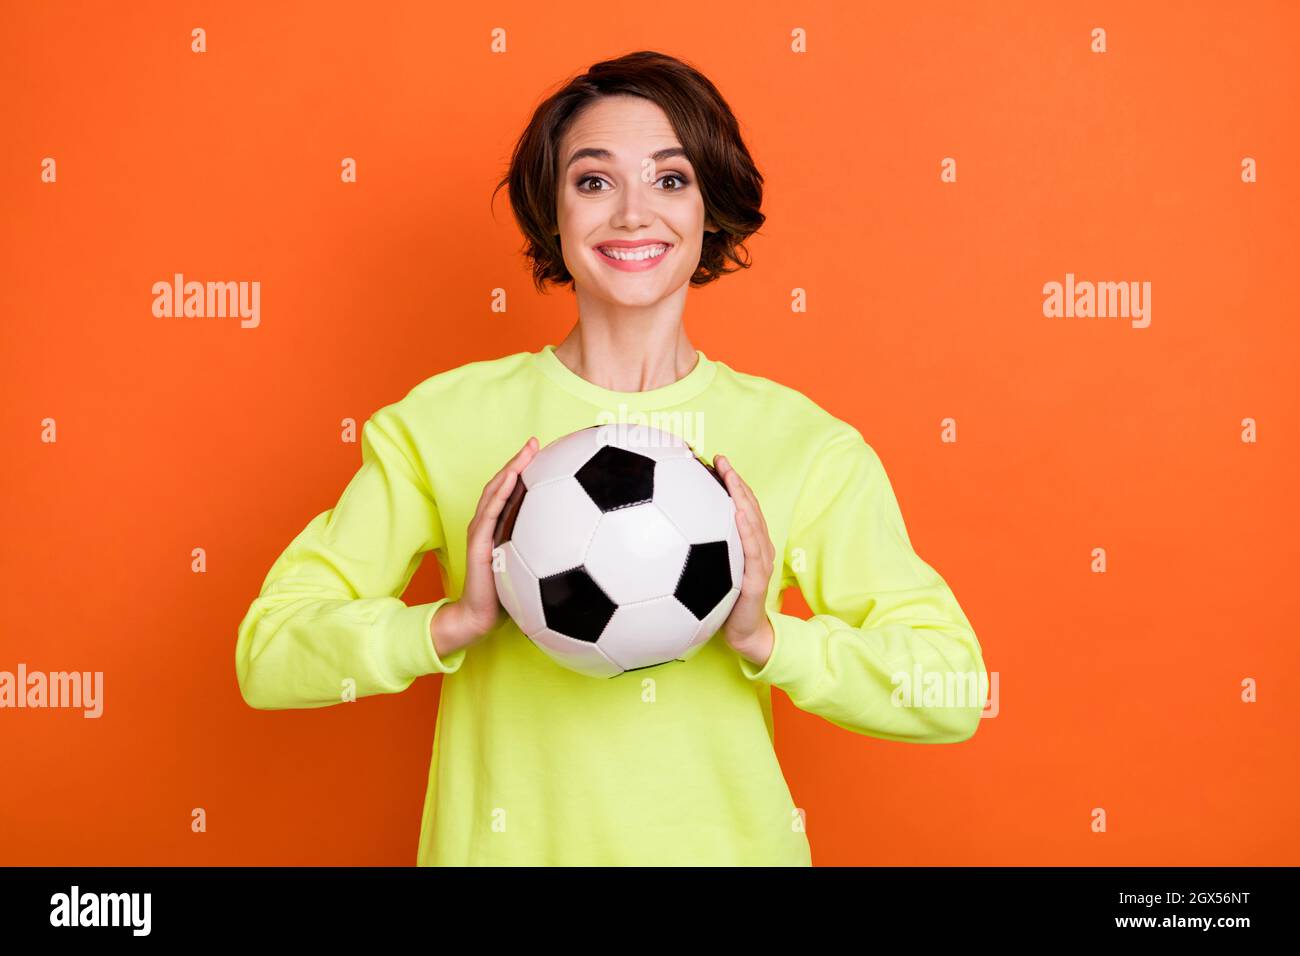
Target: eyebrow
{"points": [[604, 154]]}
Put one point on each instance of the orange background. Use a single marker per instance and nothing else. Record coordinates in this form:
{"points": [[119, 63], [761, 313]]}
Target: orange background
{"points": [[1118, 690]]}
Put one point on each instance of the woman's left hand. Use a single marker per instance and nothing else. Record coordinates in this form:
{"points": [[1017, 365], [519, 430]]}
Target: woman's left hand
{"points": [[747, 629]]}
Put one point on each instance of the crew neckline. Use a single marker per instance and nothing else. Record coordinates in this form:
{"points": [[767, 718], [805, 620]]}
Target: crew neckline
{"points": [[686, 387]]}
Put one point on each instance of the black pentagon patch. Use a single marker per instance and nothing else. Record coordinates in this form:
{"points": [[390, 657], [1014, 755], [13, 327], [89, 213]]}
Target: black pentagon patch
{"points": [[706, 579], [506, 520], [617, 478], [575, 606]]}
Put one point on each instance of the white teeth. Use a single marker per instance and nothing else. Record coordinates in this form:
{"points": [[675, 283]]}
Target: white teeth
{"points": [[634, 255]]}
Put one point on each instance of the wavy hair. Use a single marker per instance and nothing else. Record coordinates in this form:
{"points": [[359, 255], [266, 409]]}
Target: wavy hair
{"points": [[729, 181]]}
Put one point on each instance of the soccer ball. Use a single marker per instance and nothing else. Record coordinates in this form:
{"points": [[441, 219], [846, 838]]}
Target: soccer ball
{"points": [[618, 550]]}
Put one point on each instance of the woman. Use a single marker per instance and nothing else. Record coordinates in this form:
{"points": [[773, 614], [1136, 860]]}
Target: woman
{"points": [[631, 184]]}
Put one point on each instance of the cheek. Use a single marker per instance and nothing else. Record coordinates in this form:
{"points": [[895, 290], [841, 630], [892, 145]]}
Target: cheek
{"points": [[566, 215], [692, 257], [574, 227], [692, 227]]}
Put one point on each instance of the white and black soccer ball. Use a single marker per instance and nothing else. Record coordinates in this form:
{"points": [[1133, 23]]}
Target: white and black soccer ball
{"points": [[618, 550]]}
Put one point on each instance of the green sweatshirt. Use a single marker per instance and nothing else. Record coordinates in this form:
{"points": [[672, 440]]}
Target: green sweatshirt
{"points": [[535, 765]]}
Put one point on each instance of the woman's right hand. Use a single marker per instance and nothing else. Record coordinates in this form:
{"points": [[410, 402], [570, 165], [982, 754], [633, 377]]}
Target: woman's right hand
{"points": [[478, 611]]}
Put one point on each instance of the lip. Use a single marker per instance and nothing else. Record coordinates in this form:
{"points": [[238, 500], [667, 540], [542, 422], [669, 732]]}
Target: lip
{"points": [[639, 266]]}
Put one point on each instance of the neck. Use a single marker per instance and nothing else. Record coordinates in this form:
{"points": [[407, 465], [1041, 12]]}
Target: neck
{"points": [[632, 354]]}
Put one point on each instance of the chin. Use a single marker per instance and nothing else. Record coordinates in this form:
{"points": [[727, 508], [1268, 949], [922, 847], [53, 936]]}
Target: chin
{"points": [[639, 298]]}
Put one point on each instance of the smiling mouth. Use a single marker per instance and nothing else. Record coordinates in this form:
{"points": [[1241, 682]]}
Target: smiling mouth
{"points": [[634, 254]]}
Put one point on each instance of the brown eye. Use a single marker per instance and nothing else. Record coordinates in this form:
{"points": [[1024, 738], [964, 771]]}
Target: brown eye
{"points": [[590, 179]]}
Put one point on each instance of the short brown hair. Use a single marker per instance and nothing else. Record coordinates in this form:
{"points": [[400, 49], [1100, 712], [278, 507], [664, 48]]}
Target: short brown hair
{"points": [[729, 181]]}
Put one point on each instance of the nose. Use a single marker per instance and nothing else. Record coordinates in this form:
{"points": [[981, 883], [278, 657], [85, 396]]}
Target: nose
{"points": [[634, 206]]}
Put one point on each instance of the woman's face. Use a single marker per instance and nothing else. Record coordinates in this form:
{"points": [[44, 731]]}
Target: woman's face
{"points": [[626, 186]]}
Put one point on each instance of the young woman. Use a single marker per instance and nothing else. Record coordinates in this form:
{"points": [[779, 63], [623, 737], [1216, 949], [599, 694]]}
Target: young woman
{"points": [[631, 185]]}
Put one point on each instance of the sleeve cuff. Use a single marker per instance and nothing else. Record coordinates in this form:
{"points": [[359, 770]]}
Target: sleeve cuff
{"points": [[416, 654], [795, 663]]}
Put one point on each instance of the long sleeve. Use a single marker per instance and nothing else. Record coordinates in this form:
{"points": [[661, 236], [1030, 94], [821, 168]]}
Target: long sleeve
{"points": [[328, 612], [881, 615]]}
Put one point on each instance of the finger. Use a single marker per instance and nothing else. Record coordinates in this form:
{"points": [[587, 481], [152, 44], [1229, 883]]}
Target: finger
{"points": [[756, 507], [496, 504], [731, 476], [516, 464], [493, 506], [748, 539], [745, 502], [748, 502], [485, 499], [762, 519], [747, 548], [747, 493], [739, 491], [758, 538], [757, 565]]}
